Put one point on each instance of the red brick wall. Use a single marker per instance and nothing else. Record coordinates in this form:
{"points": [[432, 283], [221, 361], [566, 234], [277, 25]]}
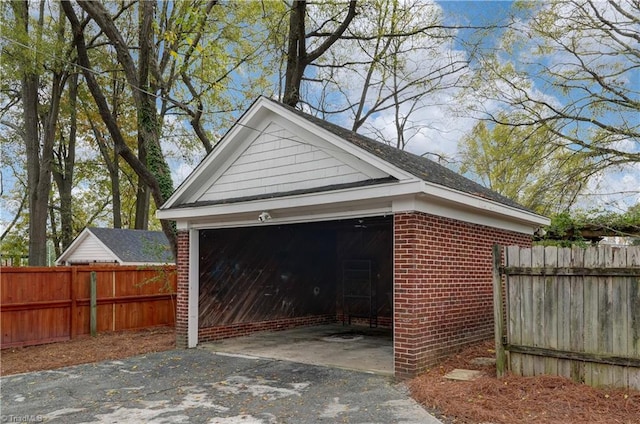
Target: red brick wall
{"points": [[382, 321], [443, 287], [182, 298], [208, 334]]}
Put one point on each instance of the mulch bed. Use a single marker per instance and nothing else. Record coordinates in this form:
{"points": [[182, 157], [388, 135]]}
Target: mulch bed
{"points": [[513, 399], [86, 349]]}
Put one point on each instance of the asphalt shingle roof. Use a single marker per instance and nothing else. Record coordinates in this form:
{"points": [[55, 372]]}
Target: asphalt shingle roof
{"points": [[136, 245], [419, 166]]}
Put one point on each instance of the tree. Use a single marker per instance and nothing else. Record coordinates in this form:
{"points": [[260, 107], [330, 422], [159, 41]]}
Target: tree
{"points": [[525, 165], [580, 227], [324, 34], [138, 75], [203, 61], [63, 167], [156, 175], [40, 109], [391, 64], [163, 61], [571, 67], [14, 197], [212, 60]]}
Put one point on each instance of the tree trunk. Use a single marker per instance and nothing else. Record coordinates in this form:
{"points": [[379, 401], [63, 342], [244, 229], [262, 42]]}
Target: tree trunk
{"points": [[38, 205], [296, 53], [113, 163], [38, 158], [63, 172], [138, 79], [145, 173], [297, 56], [146, 133], [54, 232], [143, 195], [113, 166], [116, 204]]}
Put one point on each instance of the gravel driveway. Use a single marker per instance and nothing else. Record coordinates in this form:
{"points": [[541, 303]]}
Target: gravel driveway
{"points": [[199, 386]]}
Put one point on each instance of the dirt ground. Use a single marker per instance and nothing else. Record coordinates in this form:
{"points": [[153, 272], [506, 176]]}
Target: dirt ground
{"points": [[487, 400]]}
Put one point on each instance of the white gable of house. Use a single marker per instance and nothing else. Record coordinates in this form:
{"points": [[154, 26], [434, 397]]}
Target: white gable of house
{"points": [[275, 160], [87, 248], [279, 161], [267, 154]]}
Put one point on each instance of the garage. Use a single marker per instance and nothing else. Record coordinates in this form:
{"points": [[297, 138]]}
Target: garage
{"points": [[336, 270], [292, 221]]}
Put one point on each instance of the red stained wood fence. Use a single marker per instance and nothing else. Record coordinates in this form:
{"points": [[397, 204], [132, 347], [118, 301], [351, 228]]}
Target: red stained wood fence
{"points": [[42, 305]]}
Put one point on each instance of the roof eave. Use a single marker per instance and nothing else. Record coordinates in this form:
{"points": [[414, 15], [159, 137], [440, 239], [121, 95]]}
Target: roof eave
{"points": [[483, 204], [358, 195], [369, 193]]}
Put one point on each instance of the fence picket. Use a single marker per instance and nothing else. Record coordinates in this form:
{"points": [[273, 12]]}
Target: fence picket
{"points": [[537, 291], [514, 308], [526, 316], [619, 306], [591, 376], [42, 305], [564, 312], [551, 310], [574, 312], [578, 369], [605, 324], [633, 316]]}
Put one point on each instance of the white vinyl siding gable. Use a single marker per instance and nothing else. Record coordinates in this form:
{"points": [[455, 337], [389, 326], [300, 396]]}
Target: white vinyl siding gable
{"points": [[278, 161], [90, 250]]}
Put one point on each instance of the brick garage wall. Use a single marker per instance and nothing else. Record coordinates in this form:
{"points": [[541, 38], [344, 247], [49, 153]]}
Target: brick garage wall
{"points": [[381, 322], [182, 298], [208, 334], [443, 296]]}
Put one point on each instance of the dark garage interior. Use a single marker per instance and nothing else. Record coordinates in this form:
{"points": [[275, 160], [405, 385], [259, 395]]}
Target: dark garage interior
{"points": [[339, 269]]}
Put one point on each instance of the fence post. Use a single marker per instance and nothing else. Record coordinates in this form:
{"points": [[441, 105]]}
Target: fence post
{"points": [[94, 305], [73, 327], [498, 316]]}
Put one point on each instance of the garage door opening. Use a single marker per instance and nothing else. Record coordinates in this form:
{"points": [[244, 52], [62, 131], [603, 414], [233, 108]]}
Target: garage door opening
{"points": [[275, 277]]}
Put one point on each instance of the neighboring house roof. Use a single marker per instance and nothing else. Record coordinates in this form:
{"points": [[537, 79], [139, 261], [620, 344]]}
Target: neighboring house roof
{"points": [[124, 246], [300, 167]]}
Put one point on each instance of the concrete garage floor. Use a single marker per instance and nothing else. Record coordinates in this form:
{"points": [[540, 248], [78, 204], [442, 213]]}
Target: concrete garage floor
{"points": [[346, 347]]}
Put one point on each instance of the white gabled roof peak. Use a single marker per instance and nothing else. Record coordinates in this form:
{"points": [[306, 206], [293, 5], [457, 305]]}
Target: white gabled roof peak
{"points": [[275, 151], [271, 151]]}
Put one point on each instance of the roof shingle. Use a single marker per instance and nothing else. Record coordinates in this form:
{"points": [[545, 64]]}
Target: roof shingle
{"points": [[136, 245], [419, 166]]}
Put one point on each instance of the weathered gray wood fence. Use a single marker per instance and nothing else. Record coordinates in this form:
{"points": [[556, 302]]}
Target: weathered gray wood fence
{"points": [[572, 312]]}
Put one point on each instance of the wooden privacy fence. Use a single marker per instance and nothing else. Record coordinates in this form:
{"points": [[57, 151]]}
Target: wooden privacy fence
{"points": [[571, 312], [42, 305]]}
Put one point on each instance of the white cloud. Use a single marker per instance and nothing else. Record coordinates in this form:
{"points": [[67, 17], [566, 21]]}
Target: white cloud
{"points": [[180, 171], [614, 189]]}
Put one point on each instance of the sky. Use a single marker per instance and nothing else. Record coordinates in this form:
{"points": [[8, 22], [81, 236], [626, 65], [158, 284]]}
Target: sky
{"points": [[443, 129], [627, 180], [447, 130]]}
